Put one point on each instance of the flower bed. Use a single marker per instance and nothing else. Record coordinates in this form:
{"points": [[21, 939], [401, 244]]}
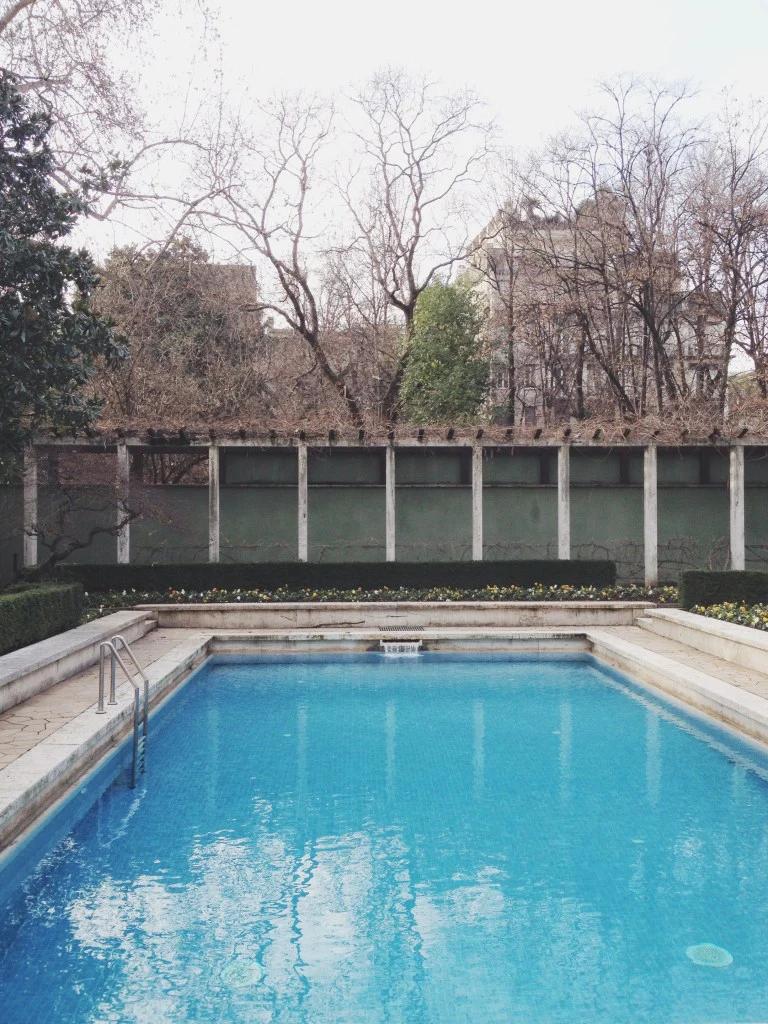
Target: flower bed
{"points": [[102, 604], [754, 615]]}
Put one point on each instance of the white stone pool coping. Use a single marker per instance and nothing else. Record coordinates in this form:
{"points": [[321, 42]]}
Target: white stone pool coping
{"points": [[371, 614], [667, 650], [39, 666], [38, 777], [741, 645]]}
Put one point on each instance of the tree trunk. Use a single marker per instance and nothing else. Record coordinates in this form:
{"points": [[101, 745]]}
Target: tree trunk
{"points": [[333, 378], [391, 402], [581, 411]]}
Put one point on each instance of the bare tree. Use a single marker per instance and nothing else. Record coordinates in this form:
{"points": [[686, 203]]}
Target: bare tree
{"points": [[271, 214], [195, 348], [422, 153], [616, 199], [357, 315], [64, 53], [727, 249]]}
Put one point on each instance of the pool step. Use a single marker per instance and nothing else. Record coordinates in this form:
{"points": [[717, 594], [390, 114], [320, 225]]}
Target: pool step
{"points": [[739, 645]]}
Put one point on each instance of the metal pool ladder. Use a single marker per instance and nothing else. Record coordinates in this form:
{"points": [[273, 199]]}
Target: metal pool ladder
{"points": [[110, 649]]}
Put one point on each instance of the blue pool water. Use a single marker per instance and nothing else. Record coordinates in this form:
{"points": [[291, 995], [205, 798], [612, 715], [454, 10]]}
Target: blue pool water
{"points": [[443, 839]]}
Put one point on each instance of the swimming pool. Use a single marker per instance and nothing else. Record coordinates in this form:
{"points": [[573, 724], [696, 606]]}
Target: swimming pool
{"points": [[366, 839]]}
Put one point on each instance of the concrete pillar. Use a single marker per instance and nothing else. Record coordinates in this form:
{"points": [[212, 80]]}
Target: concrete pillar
{"points": [[650, 516], [30, 508], [564, 502], [736, 503], [303, 504], [214, 504], [391, 510], [123, 497], [477, 504]]}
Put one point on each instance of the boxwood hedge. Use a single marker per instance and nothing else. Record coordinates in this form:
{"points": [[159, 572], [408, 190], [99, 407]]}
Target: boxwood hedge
{"points": [[32, 612], [704, 588], [340, 575]]}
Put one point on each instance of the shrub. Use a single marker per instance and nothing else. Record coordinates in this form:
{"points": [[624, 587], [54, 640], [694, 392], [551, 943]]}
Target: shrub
{"points": [[705, 588], [29, 613], [446, 377], [339, 575]]}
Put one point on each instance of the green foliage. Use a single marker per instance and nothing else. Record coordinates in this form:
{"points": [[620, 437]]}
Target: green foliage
{"points": [[339, 575], [50, 337], [709, 588], [29, 613], [445, 377]]}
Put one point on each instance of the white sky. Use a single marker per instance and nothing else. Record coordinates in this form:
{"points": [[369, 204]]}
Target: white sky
{"points": [[535, 63]]}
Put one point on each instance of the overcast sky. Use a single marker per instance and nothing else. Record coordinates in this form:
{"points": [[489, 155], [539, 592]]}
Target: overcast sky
{"points": [[535, 63]]}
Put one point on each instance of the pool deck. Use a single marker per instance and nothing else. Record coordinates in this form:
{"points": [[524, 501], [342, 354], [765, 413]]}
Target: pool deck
{"points": [[52, 737]]}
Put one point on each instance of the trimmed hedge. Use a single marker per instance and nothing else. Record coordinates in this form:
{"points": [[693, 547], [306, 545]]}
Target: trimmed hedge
{"points": [[705, 588], [339, 575], [32, 612]]}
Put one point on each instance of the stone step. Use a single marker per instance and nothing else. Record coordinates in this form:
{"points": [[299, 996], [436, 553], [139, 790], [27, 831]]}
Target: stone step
{"points": [[739, 645]]}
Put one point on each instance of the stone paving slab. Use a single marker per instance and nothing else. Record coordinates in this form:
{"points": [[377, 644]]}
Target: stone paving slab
{"points": [[684, 655], [25, 725]]}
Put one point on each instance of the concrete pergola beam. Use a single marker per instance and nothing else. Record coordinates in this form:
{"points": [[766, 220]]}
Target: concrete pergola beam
{"points": [[390, 503], [564, 502], [123, 504], [160, 441], [30, 508], [736, 507], [650, 516]]}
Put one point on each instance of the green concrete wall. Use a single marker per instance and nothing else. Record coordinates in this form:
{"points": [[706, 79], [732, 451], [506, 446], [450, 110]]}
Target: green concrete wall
{"points": [[173, 524], [693, 516], [434, 509], [607, 508], [10, 533], [345, 524], [519, 510], [756, 509]]}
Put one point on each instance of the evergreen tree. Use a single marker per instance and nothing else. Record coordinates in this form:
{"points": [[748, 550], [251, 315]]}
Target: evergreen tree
{"points": [[446, 378], [49, 337]]}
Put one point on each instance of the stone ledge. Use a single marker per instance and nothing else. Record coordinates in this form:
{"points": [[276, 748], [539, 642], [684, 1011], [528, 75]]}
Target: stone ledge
{"points": [[370, 614], [35, 668], [740, 709], [34, 781], [740, 645]]}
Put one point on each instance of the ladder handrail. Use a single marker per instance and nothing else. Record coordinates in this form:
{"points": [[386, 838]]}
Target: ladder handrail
{"points": [[119, 638], [126, 646], [109, 648]]}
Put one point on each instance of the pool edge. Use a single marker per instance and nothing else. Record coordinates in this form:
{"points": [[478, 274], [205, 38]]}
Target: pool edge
{"points": [[52, 770]]}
